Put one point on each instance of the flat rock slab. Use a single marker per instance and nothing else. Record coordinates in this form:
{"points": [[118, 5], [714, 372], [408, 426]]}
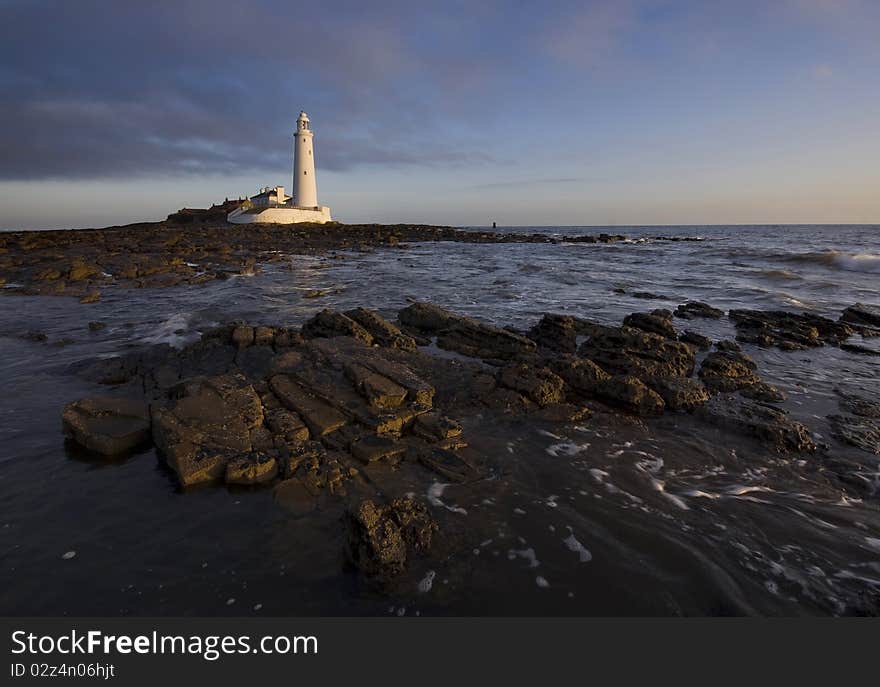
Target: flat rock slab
{"points": [[209, 423], [320, 417], [370, 448], [107, 426]]}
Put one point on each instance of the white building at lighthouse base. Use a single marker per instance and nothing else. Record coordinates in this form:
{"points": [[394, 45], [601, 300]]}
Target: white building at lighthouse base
{"points": [[272, 206]]}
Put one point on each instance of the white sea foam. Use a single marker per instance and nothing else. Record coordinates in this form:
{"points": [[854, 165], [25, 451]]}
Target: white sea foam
{"points": [[566, 449], [427, 582], [435, 491], [574, 545], [527, 554]]}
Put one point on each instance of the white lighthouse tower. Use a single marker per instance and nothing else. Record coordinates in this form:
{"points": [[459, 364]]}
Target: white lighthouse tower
{"points": [[305, 188], [272, 206]]}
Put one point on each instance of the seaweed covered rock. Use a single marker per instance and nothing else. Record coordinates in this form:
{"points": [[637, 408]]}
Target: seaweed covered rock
{"points": [[380, 538]]}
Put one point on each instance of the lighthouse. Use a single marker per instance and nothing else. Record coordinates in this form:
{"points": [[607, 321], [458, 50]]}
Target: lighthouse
{"points": [[305, 188], [272, 206]]}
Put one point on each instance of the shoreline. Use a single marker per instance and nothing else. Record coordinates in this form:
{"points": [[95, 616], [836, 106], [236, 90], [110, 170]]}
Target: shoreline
{"points": [[81, 262]]}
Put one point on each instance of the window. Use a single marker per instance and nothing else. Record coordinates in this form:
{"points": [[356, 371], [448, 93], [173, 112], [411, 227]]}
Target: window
{"points": [[304, 172]]}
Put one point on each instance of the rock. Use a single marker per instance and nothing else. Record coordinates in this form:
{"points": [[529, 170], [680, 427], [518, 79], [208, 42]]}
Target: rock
{"points": [[728, 371], [861, 350], [97, 326], [580, 374], [427, 317], [320, 417], [727, 345], [693, 309], [329, 323], [860, 432], [448, 464], [207, 423], [862, 315], [766, 393], [559, 332], [384, 333], [80, 271], [418, 390], [91, 297], [287, 425], [435, 427], [108, 426], [464, 334], [631, 394], [257, 468], [770, 425], [538, 384], [380, 537], [264, 336], [648, 295], [379, 390], [656, 322], [369, 449], [243, 336], [679, 393], [858, 405], [630, 351], [695, 339], [789, 331]]}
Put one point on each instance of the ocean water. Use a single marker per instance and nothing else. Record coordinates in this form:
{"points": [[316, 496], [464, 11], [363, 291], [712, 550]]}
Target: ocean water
{"points": [[668, 518]]}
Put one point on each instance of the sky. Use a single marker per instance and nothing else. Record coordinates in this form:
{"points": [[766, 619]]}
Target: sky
{"points": [[606, 112]]}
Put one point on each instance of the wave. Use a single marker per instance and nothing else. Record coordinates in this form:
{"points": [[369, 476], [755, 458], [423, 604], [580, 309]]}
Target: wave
{"points": [[842, 260]]}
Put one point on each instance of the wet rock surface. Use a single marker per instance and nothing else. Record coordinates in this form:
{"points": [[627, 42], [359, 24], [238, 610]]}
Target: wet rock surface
{"points": [[354, 414], [788, 331]]}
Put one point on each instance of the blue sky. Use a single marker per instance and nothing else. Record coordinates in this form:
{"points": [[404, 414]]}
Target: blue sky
{"points": [[575, 113]]}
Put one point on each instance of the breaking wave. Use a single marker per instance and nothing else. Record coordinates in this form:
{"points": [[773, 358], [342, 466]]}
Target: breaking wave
{"points": [[850, 262]]}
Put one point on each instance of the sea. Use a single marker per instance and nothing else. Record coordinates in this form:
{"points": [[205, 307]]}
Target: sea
{"points": [[660, 518]]}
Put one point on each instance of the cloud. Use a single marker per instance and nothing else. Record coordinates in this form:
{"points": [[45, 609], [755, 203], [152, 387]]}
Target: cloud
{"points": [[96, 89]]}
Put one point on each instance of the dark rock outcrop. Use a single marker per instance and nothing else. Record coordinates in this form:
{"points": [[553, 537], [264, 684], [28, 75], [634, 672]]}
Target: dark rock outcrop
{"points": [[656, 322], [693, 309], [767, 424], [465, 334], [381, 538], [107, 426]]}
